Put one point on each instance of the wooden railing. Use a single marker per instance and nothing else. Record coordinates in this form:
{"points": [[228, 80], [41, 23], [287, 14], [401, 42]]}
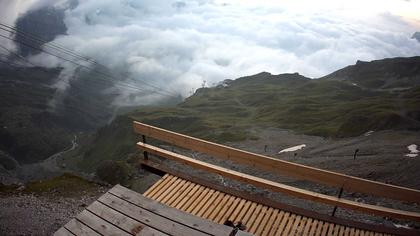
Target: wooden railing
{"points": [[299, 171]]}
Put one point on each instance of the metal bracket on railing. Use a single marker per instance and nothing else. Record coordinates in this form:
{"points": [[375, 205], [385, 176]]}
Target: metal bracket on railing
{"points": [[145, 154], [236, 228], [339, 196]]}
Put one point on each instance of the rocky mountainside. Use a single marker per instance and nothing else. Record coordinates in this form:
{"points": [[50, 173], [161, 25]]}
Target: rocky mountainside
{"points": [[36, 119], [368, 96], [48, 22], [416, 36], [31, 129]]}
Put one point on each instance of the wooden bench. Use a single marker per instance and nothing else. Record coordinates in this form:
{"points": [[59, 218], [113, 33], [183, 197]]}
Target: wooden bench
{"points": [[316, 175], [259, 218], [299, 171]]}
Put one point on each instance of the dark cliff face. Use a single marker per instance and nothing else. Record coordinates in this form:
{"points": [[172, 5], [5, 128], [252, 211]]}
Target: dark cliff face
{"points": [[416, 36], [47, 23], [31, 129], [28, 132], [36, 120]]}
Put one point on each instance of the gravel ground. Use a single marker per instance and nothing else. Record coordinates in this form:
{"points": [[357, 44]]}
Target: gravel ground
{"points": [[381, 157], [29, 214]]}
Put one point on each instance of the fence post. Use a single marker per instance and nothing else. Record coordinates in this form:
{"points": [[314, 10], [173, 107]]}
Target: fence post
{"points": [[145, 154], [339, 196]]}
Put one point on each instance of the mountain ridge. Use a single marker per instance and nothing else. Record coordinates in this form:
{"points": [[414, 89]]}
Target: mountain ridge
{"points": [[330, 107], [377, 95], [388, 73]]}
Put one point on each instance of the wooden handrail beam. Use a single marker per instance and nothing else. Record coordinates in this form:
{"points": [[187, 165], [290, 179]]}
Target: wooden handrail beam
{"points": [[282, 188], [349, 183]]}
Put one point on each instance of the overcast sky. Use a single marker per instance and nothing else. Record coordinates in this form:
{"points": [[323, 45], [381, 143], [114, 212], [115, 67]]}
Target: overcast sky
{"points": [[179, 44]]}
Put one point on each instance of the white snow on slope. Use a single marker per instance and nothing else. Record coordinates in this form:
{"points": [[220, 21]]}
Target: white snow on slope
{"points": [[413, 150], [369, 133], [292, 149]]}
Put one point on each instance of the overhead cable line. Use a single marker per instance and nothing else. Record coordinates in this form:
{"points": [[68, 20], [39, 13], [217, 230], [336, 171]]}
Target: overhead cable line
{"points": [[14, 30], [64, 50], [116, 81], [42, 68], [15, 65], [18, 56]]}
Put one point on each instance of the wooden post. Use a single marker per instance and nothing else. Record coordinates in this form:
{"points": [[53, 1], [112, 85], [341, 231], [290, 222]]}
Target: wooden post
{"points": [[339, 196], [145, 154], [355, 154]]}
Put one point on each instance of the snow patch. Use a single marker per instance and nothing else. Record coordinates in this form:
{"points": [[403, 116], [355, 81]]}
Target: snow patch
{"points": [[354, 84], [413, 150], [369, 133], [223, 84], [402, 226], [292, 149]]}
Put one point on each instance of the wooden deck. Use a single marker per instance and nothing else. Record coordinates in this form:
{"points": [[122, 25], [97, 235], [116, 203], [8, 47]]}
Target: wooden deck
{"points": [[124, 212], [259, 219]]}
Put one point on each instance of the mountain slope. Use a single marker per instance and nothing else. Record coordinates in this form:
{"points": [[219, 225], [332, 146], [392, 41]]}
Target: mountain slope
{"points": [[334, 106], [27, 132], [31, 129], [48, 22], [416, 36], [386, 74]]}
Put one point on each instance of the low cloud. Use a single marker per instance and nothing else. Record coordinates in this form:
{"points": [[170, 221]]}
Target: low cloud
{"points": [[179, 44]]}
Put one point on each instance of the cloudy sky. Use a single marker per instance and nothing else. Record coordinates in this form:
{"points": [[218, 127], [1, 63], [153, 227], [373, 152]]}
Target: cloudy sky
{"points": [[180, 44]]}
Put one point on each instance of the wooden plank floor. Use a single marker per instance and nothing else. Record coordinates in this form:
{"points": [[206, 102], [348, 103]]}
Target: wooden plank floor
{"points": [[121, 211], [258, 218]]}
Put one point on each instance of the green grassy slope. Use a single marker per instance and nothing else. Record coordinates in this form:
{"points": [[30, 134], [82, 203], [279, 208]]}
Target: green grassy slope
{"points": [[329, 107], [319, 107]]}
